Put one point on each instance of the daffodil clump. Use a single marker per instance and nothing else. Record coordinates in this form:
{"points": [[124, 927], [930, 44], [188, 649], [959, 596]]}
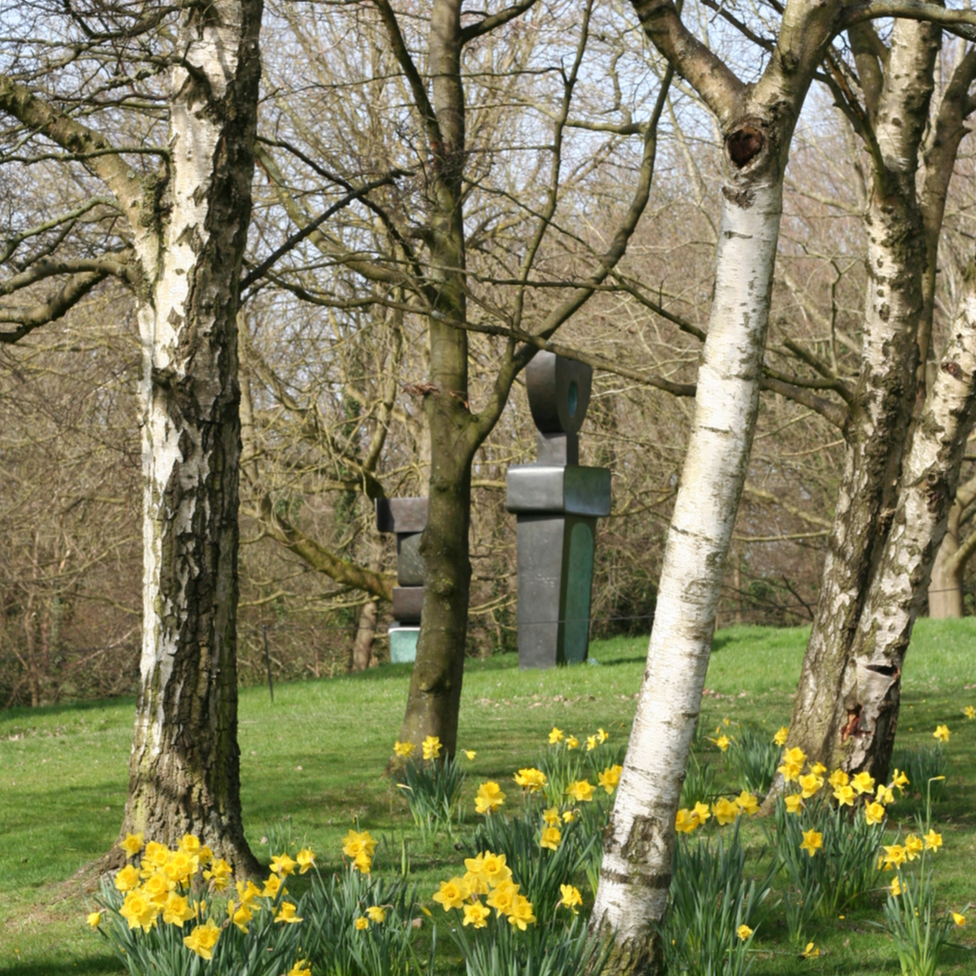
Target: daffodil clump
{"points": [[168, 905], [432, 784]]}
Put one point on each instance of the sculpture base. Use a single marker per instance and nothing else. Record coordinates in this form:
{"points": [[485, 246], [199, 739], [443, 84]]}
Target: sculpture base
{"points": [[403, 643]]}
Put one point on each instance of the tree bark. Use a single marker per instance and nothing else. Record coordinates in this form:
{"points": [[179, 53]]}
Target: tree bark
{"points": [[945, 587], [184, 769]]}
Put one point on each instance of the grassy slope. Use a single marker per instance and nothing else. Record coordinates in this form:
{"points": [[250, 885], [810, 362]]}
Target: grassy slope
{"points": [[311, 766]]}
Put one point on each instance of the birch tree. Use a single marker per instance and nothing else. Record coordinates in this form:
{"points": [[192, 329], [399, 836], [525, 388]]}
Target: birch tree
{"points": [[757, 122], [192, 70]]}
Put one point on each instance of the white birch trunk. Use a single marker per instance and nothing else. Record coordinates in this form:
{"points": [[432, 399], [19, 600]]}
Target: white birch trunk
{"points": [[184, 767], [636, 868], [929, 479]]}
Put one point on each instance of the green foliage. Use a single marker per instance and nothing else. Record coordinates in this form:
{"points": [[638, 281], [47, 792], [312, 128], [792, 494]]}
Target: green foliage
{"points": [[553, 949], [918, 932], [710, 898], [923, 765], [699, 784], [337, 948], [842, 870], [433, 791], [753, 757]]}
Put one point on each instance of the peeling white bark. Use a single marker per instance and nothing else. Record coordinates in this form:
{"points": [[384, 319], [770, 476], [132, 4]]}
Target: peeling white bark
{"points": [[637, 856]]}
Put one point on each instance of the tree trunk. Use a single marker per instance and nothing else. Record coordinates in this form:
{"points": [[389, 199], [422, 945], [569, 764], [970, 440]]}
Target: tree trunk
{"points": [[362, 647], [636, 869], [184, 770], [945, 587], [884, 399]]}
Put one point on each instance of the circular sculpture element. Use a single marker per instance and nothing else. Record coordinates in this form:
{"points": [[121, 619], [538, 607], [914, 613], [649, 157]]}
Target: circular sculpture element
{"points": [[559, 392]]}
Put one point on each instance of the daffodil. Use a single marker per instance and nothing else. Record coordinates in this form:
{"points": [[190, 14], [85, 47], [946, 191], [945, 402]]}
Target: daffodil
{"points": [[532, 780], [863, 783], [581, 791], [722, 742], [94, 919], [895, 855], [219, 874], [701, 811], [569, 816], [602, 736], [241, 915], [376, 914], [305, 860], [177, 910], [489, 797], [356, 843], [812, 842], [403, 749], [913, 846], [794, 803], [469, 753], [451, 894], [139, 911], [521, 914], [809, 784], [476, 915], [780, 737], [572, 742], [361, 923], [874, 813], [724, 811], [550, 816], [502, 897], [896, 887], [300, 968], [933, 841], [286, 913], [431, 747], [900, 780], [884, 794], [591, 743], [271, 886], [556, 735], [942, 733], [494, 869], [844, 796], [743, 932], [128, 878], [610, 778], [551, 836], [970, 712], [793, 760], [571, 898], [685, 822], [747, 803], [203, 939], [810, 952], [960, 920], [282, 864], [838, 778], [132, 844]]}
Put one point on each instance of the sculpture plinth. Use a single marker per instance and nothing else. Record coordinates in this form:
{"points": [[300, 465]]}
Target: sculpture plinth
{"points": [[407, 518], [557, 503]]}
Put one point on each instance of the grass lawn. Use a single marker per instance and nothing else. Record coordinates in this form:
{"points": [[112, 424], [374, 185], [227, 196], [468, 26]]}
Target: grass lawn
{"points": [[312, 767]]}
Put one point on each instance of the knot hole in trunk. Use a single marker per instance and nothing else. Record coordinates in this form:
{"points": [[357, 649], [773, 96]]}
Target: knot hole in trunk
{"points": [[744, 144]]}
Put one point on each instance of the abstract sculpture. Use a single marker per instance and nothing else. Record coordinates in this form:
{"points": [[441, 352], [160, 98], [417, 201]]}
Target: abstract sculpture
{"points": [[407, 518], [557, 503]]}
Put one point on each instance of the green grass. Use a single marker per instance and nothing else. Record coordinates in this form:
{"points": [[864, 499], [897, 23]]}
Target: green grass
{"points": [[312, 766]]}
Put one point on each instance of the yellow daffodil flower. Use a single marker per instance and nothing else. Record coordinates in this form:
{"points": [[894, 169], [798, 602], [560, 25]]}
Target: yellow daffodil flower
{"points": [[810, 952], [494, 869], [812, 842], [809, 784], [376, 914], [451, 894], [701, 811], [139, 911], [747, 803], [469, 753], [794, 803], [610, 777], [551, 836], [581, 791], [356, 843], [942, 733], [502, 898], [933, 841], [550, 816], [838, 778], [489, 797], [572, 742], [571, 898], [282, 864], [177, 910], [896, 887], [685, 822], [403, 749], [94, 919], [361, 923], [722, 742], [724, 811], [556, 735], [895, 855], [241, 915], [305, 860], [913, 846], [602, 736], [969, 712], [531, 780], [431, 747], [219, 874], [960, 920], [781, 734], [743, 932], [287, 913], [844, 796], [591, 743], [884, 794], [863, 783], [203, 939], [818, 769], [128, 878], [874, 813], [301, 968], [569, 816], [132, 844], [271, 886], [900, 780], [476, 915], [521, 914]]}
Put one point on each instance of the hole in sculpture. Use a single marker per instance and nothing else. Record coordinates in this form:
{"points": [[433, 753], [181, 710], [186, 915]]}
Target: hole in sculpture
{"points": [[573, 398]]}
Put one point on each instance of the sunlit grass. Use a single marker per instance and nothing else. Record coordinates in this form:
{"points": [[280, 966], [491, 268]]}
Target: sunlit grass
{"points": [[312, 765]]}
